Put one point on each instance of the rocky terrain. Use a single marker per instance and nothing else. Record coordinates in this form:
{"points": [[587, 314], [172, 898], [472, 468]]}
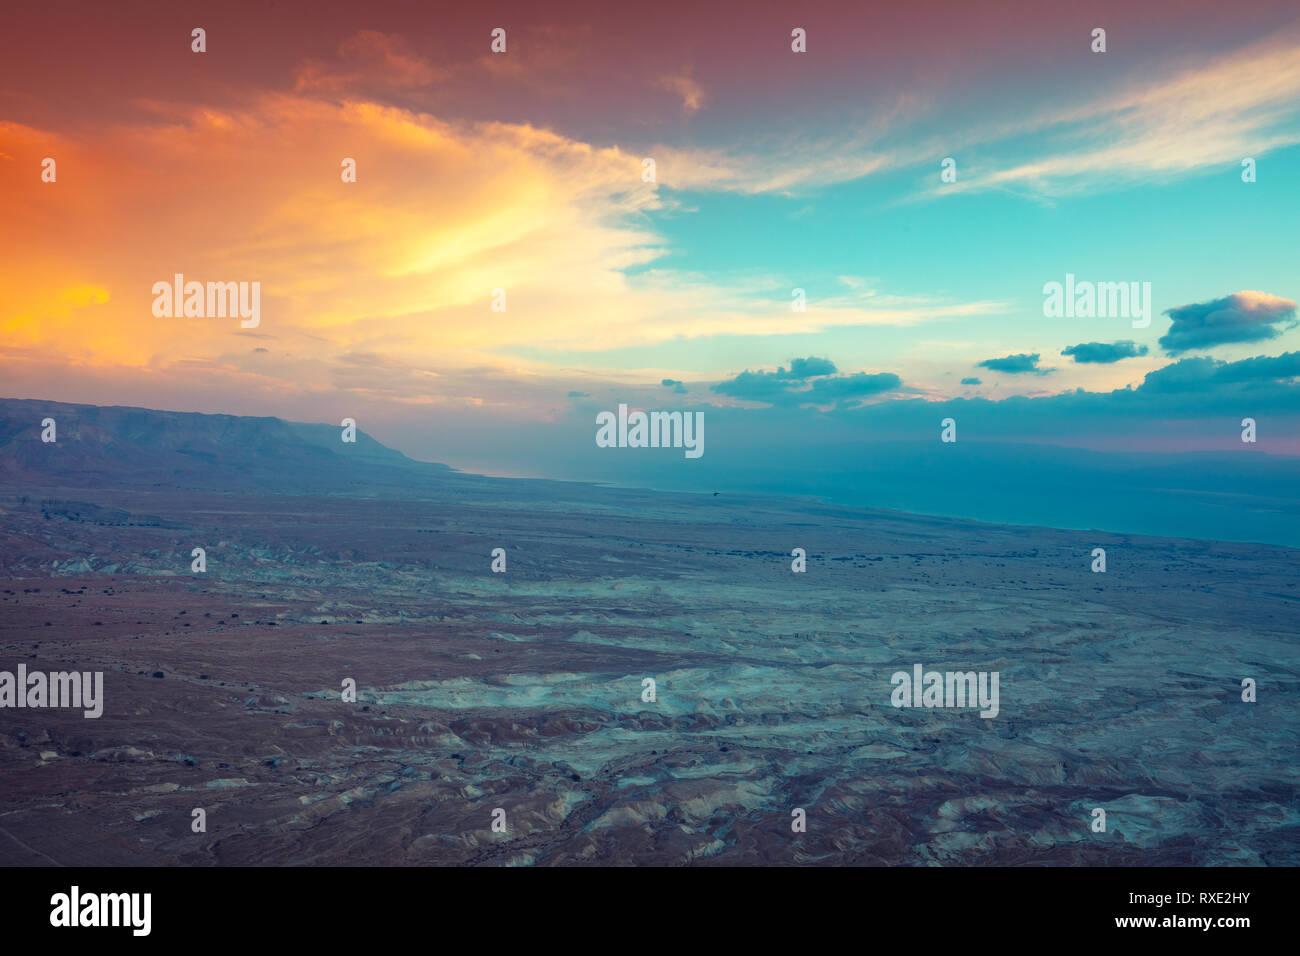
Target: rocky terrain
{"points": [[522, 691]]}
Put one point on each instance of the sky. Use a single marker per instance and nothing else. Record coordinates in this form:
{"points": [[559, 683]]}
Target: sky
{"points": [[923, 282]]}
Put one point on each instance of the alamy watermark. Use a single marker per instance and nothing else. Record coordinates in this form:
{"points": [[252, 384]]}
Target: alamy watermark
{"points": [[922, 688], [56, 689], [74, 908], [651, 430], [1098, 300], [215, 300]]}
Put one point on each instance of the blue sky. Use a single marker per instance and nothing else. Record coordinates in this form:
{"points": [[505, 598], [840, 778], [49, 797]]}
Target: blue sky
{"points": [[1194, 237], [500, 270]]}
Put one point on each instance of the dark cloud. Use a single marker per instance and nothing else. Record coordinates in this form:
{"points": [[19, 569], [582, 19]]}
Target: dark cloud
{"points": [[1240, 317], [971, 381], [1202, 374], [679, 388], [809, 367], [755, 386], [1015, 364], [1102, 353], [578, 395], [1187, 375], [845, 387], [1261, 368], [788, 388], [1180, 398]]}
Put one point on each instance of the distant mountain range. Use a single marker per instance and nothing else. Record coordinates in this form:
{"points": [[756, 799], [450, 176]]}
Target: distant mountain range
{"points": [[116, 446], [1206, 495]]}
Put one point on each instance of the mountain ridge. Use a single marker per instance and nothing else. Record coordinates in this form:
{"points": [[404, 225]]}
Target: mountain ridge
{"points": [[131, 446]]}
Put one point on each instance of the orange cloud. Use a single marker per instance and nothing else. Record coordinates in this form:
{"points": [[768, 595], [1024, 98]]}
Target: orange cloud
{"points": [[367, 60], [400, 265], [685, 86]]}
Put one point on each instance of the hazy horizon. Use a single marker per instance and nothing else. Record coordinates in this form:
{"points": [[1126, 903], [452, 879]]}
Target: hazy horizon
{"points": [[1176, 495], [463, 247]]}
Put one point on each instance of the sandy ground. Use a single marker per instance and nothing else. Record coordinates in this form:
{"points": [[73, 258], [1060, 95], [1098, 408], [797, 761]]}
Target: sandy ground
{"points": [[523, 691]]}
